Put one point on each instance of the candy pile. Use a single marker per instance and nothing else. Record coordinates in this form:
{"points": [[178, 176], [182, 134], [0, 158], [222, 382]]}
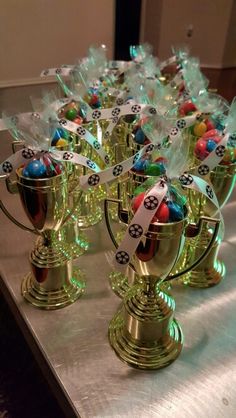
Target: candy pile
{"points": [[73, 111], [208, 142], [145, 166], [172, 209], [41, 167], [61, 138], [93, 98]]}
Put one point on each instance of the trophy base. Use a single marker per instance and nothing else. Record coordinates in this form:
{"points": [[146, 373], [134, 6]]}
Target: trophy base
{"points": [[154, 356], [207, 277], [41, 298]]}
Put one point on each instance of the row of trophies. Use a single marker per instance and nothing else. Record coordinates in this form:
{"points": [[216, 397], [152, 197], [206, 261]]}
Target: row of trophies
{"points": [[150, 140]]}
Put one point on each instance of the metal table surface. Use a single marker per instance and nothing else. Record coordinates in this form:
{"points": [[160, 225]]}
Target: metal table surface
{"points": [[72, 347]]}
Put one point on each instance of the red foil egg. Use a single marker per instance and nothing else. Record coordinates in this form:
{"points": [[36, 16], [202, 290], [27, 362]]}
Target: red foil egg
{"points": [[186, 108], [137, 201], [201, 149], [210, 125], [210, 134], [162, 214]]}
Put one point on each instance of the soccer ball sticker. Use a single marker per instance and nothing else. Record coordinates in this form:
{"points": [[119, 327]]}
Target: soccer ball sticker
{"points": [[68, 155], [27, 153], [122, 257], [186, 179], [93, 180], [203, 170], [117, 170], [7, 167], [81, 131], [150, 202], [135, 231]]}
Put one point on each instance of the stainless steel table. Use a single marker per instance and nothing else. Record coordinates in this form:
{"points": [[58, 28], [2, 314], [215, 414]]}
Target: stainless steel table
{"points": [[72, 348]]}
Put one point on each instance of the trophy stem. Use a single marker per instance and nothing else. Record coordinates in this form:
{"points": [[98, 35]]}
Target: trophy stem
{"points": [[144, 334], [53, 282]]}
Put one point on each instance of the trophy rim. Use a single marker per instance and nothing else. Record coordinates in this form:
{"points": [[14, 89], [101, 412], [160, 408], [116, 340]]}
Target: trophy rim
{"points": [[41, 182]]}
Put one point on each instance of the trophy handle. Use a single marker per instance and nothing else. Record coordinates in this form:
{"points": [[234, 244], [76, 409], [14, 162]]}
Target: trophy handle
{"points": [[11, 187], [123, 216], [192, 231], [12, 219], [16, 144]]}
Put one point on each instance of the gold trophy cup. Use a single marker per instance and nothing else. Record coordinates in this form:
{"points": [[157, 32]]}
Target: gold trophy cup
{"points": [[212, 270], [144, 333], [53, 282]]}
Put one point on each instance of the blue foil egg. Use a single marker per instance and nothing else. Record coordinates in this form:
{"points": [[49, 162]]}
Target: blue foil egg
{"points": [[56, 136], [176, 212], [139, 136], [140, 165], [36, 169], [211, 145], [25, 172]]}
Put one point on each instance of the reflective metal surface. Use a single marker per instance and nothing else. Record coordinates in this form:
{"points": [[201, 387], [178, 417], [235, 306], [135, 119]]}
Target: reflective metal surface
{"points": [[44, 201], [212, 270], [74, 344]]}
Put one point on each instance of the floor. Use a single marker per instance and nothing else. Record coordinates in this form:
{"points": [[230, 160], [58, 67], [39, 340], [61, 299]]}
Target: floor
{"points": [[23, 390], [24, 393]]}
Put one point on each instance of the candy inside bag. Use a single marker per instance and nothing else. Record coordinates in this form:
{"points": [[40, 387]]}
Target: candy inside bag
{"points": [[173, 161], [173, 207], [210, 139], [38, 135], [148, 165], [208, 143], [41, 167]]}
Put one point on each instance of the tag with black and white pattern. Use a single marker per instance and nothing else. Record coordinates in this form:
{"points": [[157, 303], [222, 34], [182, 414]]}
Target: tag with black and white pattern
{"points": [[27, 154], [113, 172], [199, 184], [64, 71], [16, 160], [139, 225], [87, 136], [214, 158], [113, 122], [118, 111], [183, 123], [74, 158]]}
